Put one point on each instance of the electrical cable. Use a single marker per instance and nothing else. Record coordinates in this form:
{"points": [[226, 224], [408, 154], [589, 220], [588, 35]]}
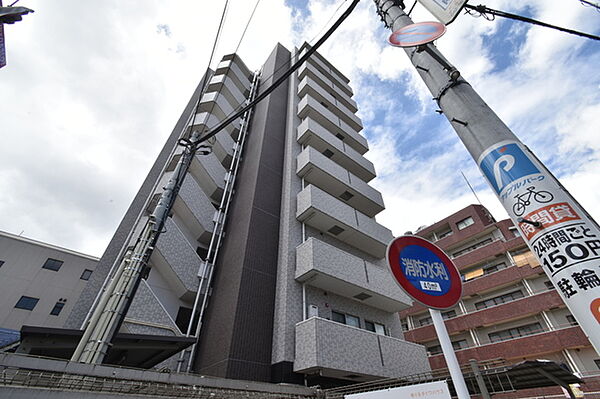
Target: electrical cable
{"points": [[412, 8], [281, 79], [246, 28], [286, 63], [485, 11], [590, 4]]}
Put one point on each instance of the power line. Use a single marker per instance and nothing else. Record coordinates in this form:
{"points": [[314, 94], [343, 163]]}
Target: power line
{"points": [[246, 28], [590, 4], [281, 79], [486, 12]]}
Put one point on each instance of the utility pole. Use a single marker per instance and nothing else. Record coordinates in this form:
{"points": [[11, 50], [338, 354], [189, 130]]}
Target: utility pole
{"points": [[561, 234]]}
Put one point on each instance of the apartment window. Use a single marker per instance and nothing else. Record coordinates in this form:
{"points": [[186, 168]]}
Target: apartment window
{"points": [[597, 361], [404, 325], [26, 302], [375, 327], [345, 319], [444, 234], [572, 320], [515, 332], [463, 224], [472, 247], [523, 258], [57, 308], [434, 350], [457, 345], [515, 232], [86, 274], [52, 264], [449, 314], [549, 285], [425, 321], [511, 296]]}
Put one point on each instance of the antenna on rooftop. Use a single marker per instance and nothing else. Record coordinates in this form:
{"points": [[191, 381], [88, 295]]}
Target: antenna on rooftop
{"points": [[471, 187]]}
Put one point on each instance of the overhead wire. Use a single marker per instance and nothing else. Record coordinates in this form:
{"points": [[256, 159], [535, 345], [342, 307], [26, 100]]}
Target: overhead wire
{"points": [[590, 4], [482, 10], [239, 111]]}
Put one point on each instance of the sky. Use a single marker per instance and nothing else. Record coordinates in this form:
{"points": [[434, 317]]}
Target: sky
{"points": [[93, 89]]}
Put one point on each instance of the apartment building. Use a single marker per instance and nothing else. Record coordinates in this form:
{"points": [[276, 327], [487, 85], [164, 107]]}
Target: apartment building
{"points": [[509, 310], [39, 283], [273, 243]]}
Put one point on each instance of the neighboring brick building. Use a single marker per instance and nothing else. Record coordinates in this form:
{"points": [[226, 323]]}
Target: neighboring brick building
{"points": [[509, 309]]}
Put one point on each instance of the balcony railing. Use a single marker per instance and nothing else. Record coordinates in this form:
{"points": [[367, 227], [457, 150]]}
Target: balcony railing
{"points": [[325, 213], [334, 270], [310, 133], [335, 349], [332, 178]]}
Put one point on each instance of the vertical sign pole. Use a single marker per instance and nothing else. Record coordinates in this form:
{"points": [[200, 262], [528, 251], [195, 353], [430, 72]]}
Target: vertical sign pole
{"points": [[2, 45], [457, 378], [556, 228]]}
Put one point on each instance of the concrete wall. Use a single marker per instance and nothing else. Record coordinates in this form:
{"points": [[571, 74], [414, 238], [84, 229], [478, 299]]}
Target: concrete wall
{"points": [[22, 274]]}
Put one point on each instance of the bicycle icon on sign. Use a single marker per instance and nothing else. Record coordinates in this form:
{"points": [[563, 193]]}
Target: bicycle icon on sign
{"points": [[524, 200]]}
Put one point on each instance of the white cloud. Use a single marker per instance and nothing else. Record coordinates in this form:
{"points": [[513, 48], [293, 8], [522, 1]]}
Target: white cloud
{"points": [[92, 90]]}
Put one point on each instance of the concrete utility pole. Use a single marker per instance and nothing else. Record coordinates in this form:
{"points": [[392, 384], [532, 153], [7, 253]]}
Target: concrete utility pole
{"points": [[561, 234]]}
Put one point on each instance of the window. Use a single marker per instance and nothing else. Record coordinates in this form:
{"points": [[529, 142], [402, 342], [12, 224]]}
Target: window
{"points": [[515, 332], [404, 324], [57, 308], [457, 345], [572, 320], [52, 264], [472, 247], [465, 223], [444, 234], [425, 321], [449, 314], [511, 296], [524, 258], [515, 232], [376, 327], [345, 319], [481, 271], [597, 361], [86, 274], [27, 303], [549, 284]]}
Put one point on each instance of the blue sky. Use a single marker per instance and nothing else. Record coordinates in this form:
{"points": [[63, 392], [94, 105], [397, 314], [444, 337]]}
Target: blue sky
{"points": [[92, 90]]}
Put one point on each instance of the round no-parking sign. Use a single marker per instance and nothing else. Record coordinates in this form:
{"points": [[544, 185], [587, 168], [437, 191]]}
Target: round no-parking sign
{"points": [[424, 272]]}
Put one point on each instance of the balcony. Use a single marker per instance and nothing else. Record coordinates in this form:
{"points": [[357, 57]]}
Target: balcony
{"points": [[334, 270], [210, 175], [226, 86], [325, 77], [195, 210], [231, 69], [505, 312], [340, 351], [207, 121], [330, 100], [177, 261], [310, 133], [319, 170], [486, 252], [308, 107], [222, 143], [319, 61], [325, 213], [486, 283], [514, 349]]}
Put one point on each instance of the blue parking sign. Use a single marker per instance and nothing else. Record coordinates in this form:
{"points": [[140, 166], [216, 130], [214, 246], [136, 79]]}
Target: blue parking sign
{"points": [[505, 164]]}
